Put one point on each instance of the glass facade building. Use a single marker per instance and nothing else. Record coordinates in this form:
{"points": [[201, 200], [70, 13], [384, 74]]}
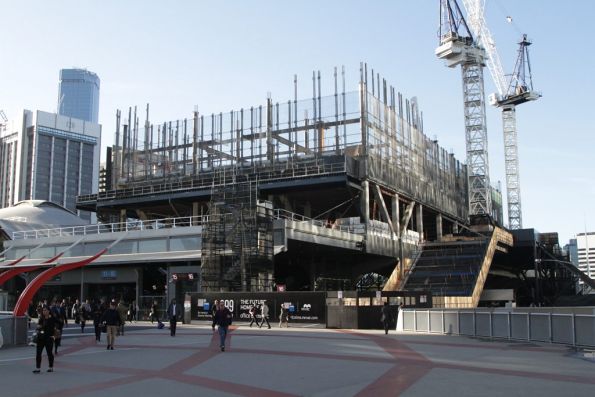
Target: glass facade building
{"points": [[78, 95], [53, 158]]}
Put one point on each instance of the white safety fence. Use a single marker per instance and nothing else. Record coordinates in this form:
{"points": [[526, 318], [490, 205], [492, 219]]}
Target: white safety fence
{"points": [[564, 328]]}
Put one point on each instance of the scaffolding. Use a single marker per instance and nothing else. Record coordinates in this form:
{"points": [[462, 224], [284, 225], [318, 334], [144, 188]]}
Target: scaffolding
{"points": [[237, 239], [373, 133]]}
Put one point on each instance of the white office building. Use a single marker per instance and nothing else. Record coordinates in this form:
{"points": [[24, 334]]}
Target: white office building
{"points": [[586, 253], [49, 157]]}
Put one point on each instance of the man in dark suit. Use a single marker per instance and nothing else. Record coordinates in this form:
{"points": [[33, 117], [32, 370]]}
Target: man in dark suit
{"points": [[174, 311]]}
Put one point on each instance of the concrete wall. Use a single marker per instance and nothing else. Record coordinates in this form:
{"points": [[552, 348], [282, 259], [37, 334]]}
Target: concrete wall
{"points": [[13, 330]]}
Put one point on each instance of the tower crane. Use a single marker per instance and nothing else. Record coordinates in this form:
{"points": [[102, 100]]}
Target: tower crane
{"points": [[510, 94], [458, 47]]}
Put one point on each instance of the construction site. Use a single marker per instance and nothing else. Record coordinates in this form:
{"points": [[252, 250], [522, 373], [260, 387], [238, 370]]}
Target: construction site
{"points": [[329, 191], [334, 192]]}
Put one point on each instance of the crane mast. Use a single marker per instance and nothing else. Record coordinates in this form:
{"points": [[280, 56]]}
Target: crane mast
{"points": [[509, 94], [458, 47]]}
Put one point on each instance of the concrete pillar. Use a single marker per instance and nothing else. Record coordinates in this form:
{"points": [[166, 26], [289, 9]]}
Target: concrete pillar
{"points": [[195, 213], [438, 227], [396, 214], [365, 202], [123, 218], [420, 221]]}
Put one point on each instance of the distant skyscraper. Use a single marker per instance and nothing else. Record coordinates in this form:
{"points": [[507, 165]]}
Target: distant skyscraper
{"points": [[586, 253], [78, 96], [49, 157]]}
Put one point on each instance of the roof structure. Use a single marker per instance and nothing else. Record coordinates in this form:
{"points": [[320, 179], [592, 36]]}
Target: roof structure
{"points": [[35, 214]]}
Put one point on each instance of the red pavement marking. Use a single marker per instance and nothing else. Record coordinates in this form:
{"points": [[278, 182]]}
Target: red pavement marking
{"points": [[344, 357], [409, 367], [75, 391], [228, 387]]}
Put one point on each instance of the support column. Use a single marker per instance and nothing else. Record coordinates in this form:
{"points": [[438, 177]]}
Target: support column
{"points": [[122, 219], [438, 227], [365, 203], [195, 212], [420, 221], [396, 214]]}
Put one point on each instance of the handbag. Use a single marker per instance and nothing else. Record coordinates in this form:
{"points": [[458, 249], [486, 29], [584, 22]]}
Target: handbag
{"points": [[103, 328], [35, 338], [57, 334]]}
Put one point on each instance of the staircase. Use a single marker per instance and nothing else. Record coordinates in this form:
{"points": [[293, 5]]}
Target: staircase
{"points": [[455, 271]]}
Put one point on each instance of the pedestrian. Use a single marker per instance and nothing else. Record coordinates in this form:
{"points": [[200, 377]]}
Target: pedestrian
{"points": [[111, 319], [46, 327], [386, 317], [283, 317], [213, 311], [154, 314], [132, 309], [223, 319], [76, 310], [85, 314], [122, 312], [174, 312], [253, 316], [264, 309], [61, 320], [97, 310]]}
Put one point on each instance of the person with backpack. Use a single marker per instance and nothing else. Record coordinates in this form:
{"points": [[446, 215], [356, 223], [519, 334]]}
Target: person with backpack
{"points": [[223, 319]]}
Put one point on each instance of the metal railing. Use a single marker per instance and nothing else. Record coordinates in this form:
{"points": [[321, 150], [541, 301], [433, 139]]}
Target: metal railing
{"points": [[284, 214], [206, 180], [563, 328], [101, 228]]}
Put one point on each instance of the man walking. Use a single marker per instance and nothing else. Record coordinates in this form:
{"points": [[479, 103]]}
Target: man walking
{"points": [[264, 308], [174, 311], [111, 319], [386, 317], [223, 319]]}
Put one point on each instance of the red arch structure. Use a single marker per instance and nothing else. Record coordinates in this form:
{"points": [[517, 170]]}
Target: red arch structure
{"points": [[27, 295], [29, 292], [10, 273]]}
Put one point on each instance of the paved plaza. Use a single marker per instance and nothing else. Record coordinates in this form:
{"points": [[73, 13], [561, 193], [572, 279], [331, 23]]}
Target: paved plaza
{"points": [[305, 361]]}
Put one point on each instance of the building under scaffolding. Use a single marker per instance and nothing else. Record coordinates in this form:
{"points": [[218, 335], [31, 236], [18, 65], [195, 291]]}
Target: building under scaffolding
{"points": [[356, 157]]}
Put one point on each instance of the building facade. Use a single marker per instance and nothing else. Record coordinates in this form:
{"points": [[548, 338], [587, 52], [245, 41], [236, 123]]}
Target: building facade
{"points": [[78, 95], [585, 243], [49, 157]]}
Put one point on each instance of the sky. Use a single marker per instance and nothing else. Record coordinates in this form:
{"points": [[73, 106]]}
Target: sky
{"points": [[219, 56]]}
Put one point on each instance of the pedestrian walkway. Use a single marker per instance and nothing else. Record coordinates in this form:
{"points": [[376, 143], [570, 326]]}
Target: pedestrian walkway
{"points": [[297, 362]]}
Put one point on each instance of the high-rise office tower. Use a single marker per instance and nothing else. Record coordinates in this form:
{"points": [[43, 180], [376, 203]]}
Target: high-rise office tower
{"points": [[49, 157], [78, 96]]}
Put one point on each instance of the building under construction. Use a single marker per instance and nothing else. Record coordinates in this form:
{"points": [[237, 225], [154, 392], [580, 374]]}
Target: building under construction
{"points": [[334, 192]]}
